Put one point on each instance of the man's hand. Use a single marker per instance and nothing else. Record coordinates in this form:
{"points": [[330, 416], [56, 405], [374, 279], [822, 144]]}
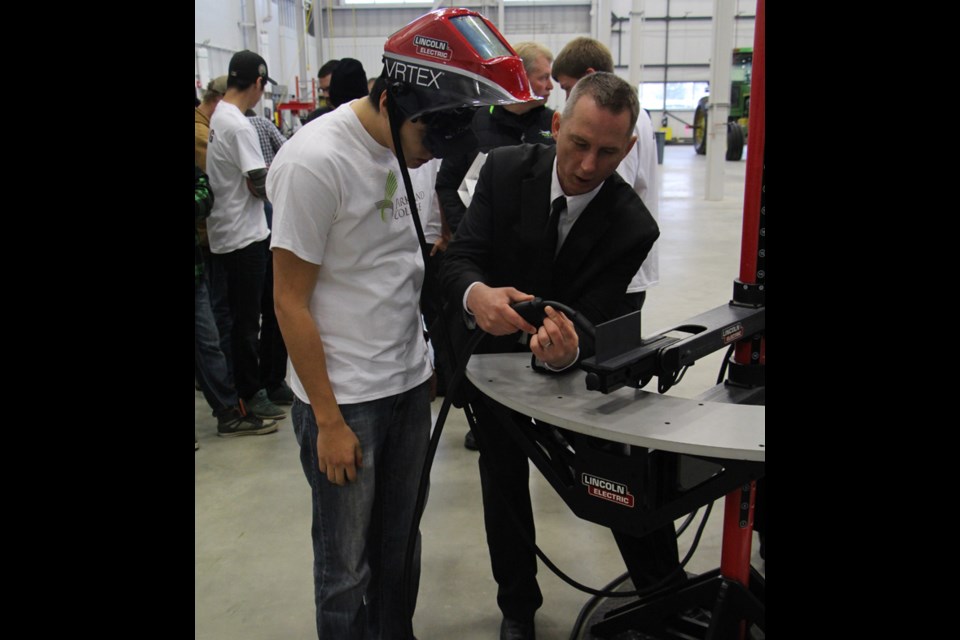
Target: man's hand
{"points": [[339, 453], [491, 307], [439, 245], [556, 341]]}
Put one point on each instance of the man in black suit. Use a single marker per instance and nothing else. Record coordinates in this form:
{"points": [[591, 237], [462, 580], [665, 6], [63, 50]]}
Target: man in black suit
{"points": [[560, 224]]}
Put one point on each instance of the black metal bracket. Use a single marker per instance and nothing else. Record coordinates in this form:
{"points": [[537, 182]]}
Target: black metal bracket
{"points": [[623, 358], [749, 294]]}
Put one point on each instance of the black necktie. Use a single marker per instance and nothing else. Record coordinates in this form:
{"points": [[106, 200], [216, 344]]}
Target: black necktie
{"points": [[550, 232]]}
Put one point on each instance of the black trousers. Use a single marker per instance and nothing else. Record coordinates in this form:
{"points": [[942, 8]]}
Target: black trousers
{"points": [[504, 481], [273, 351], [236, 293]]}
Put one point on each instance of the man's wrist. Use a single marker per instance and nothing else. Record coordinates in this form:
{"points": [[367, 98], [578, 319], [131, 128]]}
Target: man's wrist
{"points": [[564, 367], [468, 318], [466, 296]]}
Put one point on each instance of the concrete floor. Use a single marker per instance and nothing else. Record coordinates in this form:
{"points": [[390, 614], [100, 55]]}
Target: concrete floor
{"points": [[253, 567]]}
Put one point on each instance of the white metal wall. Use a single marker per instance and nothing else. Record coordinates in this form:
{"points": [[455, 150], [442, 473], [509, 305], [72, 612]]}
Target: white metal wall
{"points": [[359, 32]]}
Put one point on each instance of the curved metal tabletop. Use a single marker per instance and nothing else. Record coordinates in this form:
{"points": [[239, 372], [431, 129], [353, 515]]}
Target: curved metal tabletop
{"points": [[631, 416]]}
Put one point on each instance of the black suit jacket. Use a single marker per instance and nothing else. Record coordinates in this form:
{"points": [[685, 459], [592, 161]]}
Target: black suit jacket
{"points": [[499, 243]]}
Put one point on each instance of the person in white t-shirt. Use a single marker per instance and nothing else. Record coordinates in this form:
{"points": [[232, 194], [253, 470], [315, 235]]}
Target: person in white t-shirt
{"points": [[237, 229], [348, 274], [582, 56]]}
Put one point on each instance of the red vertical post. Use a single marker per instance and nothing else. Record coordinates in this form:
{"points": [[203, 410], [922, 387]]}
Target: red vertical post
{"points": [[738, 509], [755, 146], [738, 533], [753, 210], [739, 505]]}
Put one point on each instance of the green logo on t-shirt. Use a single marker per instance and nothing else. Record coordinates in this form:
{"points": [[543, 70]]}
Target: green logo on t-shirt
{"points": [[389, 189]]}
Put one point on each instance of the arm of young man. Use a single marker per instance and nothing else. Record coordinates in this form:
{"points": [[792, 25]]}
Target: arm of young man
{"points": [[257, 183], [338, 448], [298, 241]]}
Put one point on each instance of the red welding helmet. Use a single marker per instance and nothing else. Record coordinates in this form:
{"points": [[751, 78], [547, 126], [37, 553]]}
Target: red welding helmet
{"points": [[450, 59]]}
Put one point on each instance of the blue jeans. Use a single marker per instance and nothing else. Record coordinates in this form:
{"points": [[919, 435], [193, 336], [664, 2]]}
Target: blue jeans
{"points": [[360, 530], [210, 366], [217, 290]]}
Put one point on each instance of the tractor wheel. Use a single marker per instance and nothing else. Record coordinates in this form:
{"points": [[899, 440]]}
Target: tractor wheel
{"points": [[734, 141], [700, 128]]}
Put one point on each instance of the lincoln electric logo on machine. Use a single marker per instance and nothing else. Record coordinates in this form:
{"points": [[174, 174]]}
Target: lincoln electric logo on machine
{"points": [[607, 490], [732, 333], [432, 47]]}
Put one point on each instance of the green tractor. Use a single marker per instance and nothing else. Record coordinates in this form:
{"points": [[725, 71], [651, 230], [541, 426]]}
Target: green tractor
{"points": [[739, 108]]}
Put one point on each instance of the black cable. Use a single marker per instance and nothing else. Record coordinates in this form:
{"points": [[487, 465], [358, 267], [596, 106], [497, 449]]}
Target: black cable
{"points": [[425, 473], [686, 523], [396, 121], [587, 610], [726, 361]]}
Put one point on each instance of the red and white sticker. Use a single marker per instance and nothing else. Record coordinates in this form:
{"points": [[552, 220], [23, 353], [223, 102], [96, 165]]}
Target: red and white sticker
{"points": [[732, 333], [607, 490], [427, 46]]}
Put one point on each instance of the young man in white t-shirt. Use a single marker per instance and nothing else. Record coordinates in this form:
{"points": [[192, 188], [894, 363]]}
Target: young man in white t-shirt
{"points": [[348, 274], [237, 229]]}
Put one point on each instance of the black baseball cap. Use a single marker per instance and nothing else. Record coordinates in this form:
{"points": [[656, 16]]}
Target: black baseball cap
{"points": [[248, 66]]}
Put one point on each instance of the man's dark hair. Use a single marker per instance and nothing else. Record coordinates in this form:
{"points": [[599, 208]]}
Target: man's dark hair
{"points": [[378, 88], [610, 91], [243, 85], [327, 68]]}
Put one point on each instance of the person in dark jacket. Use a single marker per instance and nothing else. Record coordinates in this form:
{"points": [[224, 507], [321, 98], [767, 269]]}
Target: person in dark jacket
{"points": [[558, 223], [494, 127]]}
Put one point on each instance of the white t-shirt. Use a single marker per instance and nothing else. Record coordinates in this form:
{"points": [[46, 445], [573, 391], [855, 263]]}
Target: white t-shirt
{"points": [[639, 169], [237, 219], [339, 202]]}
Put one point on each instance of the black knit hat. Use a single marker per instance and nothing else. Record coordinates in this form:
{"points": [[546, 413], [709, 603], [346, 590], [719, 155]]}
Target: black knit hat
{"points": [[348, 81]]}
